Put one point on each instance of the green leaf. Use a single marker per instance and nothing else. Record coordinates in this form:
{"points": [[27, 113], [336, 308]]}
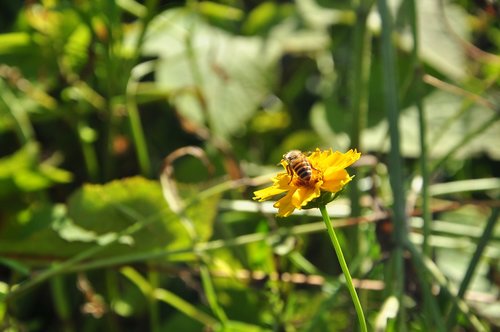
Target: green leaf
{"points": [[29, 235], [14, 42], [113, 207], [215, 79], [132, 212], [20, 172], [76, 48], [263, 17], [446, 127], [219, 11], [439, 47]]}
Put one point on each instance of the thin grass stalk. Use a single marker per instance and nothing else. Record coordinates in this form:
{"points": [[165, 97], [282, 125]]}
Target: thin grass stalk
{"points": [[133, 111], [151, 10], [481, 246], [359, 108], [112, 295], [395, 163], [112, 62], [211, 295], [23, 127], [345, 269], [187, 308], [422, 126], [154, 313], [168, 297], [89, 154], [61, 303], [135, 119], [432, 310]]}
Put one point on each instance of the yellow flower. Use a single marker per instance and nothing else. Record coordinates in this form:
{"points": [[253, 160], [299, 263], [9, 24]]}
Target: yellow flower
{"points": [[328, 176]]}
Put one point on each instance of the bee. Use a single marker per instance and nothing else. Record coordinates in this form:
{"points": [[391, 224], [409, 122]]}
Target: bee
{"points": [[298, 164]]}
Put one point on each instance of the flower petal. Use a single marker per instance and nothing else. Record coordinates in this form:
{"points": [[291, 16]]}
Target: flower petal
{"points": [[343, 160], [280, 185], [266, 193], [318, 159], [284, 205], [334, 180], [304, 195], [282, 180]]}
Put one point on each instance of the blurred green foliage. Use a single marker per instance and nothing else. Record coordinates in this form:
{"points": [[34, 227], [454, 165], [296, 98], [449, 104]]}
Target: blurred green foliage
{"points": [[95, 94]]}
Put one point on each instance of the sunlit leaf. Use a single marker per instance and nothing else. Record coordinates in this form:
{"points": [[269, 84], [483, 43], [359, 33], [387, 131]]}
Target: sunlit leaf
{"points": [[440, 47], [100, 214], [76, 49], [114, 207], [14, 42], [215, 79], [446, 128], [20, 172], [219, 11]]}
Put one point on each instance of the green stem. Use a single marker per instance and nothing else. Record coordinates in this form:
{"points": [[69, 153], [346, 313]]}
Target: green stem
{"points": [[134, 117], [359, 109], [22, 123], [433, 314], [154, 312], [169, 298], [422, 125], [61, 303], [209, 289], [345, 269], [89, 154], [396, 176]]}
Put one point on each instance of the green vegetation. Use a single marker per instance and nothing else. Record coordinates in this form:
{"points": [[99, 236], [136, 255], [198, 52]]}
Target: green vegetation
{"points": [[134, 133]]}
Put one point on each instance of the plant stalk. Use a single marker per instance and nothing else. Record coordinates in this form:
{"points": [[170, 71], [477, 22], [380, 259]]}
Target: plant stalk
{"points": [[396, 175], [345, 269]]}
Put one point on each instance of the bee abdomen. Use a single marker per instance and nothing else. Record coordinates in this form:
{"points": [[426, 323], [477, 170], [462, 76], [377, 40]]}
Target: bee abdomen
{"points": [[304, 171]]}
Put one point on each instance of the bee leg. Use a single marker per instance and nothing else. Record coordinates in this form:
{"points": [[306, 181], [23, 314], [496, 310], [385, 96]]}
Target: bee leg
{"points": [[290, 172], [317, 170]]}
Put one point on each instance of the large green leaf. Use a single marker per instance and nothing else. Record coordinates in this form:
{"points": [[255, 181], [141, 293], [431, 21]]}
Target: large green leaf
{"points": [[446, 128], [132, 211], [215, 79], [29, 236], [117, 205], [440, 44]]}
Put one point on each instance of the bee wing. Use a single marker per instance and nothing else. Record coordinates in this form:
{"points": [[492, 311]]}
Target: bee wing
{"points": [[307, 153]]}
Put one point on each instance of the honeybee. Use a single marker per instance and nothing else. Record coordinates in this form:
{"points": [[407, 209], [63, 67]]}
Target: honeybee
{"points": [[298, 164]]}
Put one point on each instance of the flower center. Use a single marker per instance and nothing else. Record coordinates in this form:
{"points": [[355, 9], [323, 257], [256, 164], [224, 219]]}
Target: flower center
{"points": [[316, 176]]}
